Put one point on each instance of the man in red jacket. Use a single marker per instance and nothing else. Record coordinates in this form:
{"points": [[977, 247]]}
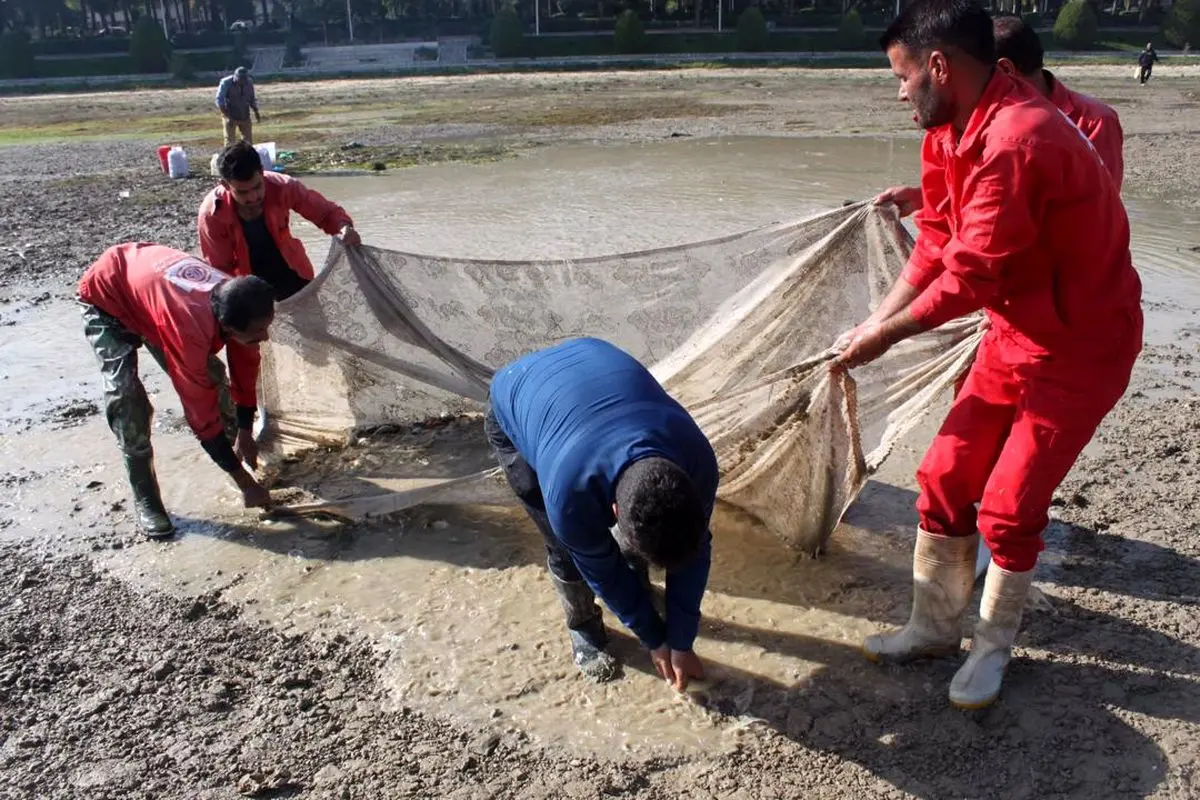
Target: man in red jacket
{"points": [[149, 294], [244, 222], [1020, 219], [1019, 52]]}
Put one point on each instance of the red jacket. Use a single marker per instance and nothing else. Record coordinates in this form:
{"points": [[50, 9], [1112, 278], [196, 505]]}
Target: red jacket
{"points": [[1021, 218], [1098, 121], [224, 245], [164, 296]]}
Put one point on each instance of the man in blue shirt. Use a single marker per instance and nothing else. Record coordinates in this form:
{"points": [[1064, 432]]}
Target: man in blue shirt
{"points": [[612, 471]]}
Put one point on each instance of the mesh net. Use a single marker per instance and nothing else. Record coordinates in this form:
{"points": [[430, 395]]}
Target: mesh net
{"points": [[738, 329]]}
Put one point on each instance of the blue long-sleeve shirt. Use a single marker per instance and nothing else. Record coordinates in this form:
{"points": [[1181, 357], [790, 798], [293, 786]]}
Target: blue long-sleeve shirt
{"points": [[579, 413]]}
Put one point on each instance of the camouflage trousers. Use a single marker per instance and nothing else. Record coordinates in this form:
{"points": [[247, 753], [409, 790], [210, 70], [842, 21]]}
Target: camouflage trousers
{"points": [[126, 404]]}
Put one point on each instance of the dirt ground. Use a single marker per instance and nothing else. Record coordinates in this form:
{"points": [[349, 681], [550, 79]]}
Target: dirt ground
{"points": [[109, 689]]}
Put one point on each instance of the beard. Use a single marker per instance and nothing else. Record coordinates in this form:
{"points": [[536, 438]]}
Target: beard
{"points": [[932, 110]]}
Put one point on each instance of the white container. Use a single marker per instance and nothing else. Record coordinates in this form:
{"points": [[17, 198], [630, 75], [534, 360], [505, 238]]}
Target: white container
{"points": [[177, 163], [266, 154], [213, 166]]}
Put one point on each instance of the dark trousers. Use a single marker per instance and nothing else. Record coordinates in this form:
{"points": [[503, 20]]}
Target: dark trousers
{"points": [[126, 404], [524, 483], [1145, 74]]}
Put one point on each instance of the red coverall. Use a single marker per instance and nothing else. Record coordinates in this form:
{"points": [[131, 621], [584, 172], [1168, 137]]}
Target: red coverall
{"points": [[164, 296], [1021, 219], [224, 245], [1098, 121]]}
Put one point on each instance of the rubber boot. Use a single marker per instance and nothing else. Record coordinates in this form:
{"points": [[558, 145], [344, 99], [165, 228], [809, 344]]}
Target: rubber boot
{"points": [[152, 516], [586, 628], [943, 578], [977, 682]]}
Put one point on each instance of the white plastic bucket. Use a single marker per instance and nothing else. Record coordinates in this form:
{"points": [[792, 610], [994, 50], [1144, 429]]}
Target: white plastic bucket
{"points": [[266, 153], [177, 163]]}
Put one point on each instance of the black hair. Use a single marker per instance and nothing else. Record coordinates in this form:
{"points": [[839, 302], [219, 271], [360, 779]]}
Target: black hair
{"points": [[239, 162], [238, 302], [1019, 43], [939, 24], [659, 512]]}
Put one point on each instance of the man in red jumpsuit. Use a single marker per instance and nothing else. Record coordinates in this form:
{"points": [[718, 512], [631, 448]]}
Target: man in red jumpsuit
{"points": [[149, 294], [1022, 219], [1019, 52], [244, 224]]}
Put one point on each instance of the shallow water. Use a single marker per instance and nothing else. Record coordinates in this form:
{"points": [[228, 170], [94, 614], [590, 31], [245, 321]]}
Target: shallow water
{"points": [[458, 596]]}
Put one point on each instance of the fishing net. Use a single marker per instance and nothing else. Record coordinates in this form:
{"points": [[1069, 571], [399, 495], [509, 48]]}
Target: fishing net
{"points": [[377, 371]]}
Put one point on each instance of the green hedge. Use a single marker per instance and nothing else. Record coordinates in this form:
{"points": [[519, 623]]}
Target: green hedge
{"points": [[98, 45], [1076, 27], [119, 65], [668, 44]]}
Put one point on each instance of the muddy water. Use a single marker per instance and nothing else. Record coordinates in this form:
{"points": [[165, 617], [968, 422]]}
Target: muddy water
{"points": [[458, 596]]}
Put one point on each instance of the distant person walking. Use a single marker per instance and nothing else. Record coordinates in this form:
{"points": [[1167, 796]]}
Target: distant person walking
{"points": [[1146, 60], [235, 99]]}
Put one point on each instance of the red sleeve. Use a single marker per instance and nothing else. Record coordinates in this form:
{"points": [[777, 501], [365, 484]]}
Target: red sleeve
{"points": [[243, 373], [187, 365], [315, 207], [933, 226], [217, 247], [998, 224], [1109, 141]]}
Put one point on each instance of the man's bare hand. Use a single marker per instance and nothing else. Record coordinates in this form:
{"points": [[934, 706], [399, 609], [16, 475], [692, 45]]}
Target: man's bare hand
{"points": [[661, 657], [687, 666], [907, 199], [245, 448], [253, 493], [867, 346], [350, 237], [256, 496], [257, 116], [843, 341]]}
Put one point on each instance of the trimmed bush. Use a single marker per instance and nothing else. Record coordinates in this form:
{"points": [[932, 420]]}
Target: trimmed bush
{"points": [[294, 54], [850, 34], [751, 30], [148, 47], [1076, 27], [508, 34], [1182, 25], [239, 54], [629, 35], [181, 67], [16, 56]]}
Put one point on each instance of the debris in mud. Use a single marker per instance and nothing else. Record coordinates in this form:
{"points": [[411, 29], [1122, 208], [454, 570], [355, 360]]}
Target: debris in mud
{"points": [[75, 412], [257, 785]]}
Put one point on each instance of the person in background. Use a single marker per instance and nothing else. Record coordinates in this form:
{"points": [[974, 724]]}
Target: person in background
{"points": [[1021, 219], [1146, 60], [1019, 52], [617, 476], [235, 100], [244, 223], [147, 294]]}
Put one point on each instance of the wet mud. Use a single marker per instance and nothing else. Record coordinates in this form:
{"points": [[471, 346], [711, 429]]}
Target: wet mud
{"points": [[423, 656]]}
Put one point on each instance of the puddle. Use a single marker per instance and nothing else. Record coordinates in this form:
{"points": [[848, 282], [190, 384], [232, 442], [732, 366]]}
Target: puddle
{"points": [[459, 596]]}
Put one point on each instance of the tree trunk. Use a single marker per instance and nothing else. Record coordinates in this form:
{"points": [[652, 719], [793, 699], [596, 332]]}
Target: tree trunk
{"points": [[266, 13], [699, 9]]}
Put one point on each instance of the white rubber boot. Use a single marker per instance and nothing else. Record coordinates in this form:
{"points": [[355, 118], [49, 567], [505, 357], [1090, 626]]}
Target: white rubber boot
{"points": [[977, 682], [943, 578]]}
